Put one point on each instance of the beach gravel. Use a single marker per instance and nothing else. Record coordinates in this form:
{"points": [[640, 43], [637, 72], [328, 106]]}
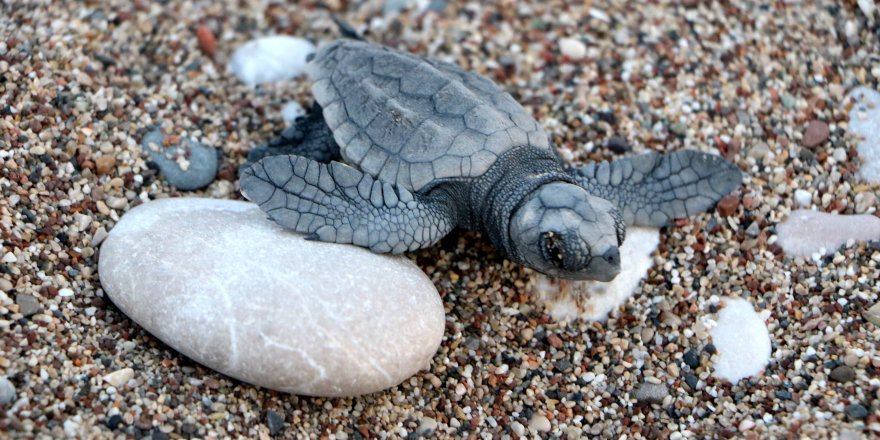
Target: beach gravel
{"points": [[81, 82]]}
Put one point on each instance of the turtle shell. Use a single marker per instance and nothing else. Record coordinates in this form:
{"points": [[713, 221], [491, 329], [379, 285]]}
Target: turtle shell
{"points": [[413, 121]]}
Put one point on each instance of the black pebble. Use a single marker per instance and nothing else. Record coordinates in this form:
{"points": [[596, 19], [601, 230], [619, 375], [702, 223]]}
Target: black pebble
{"points": [[692, 359], [617, 145], [710, 348], [783, 395], [114, 421], [691, 380]]}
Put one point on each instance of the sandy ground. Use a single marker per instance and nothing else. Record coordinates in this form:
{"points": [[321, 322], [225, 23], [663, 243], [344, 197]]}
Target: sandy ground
{"points": [[81, 82]]}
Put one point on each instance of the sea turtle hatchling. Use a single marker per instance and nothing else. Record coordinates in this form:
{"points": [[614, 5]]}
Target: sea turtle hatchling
{"points": [[428, 147]]}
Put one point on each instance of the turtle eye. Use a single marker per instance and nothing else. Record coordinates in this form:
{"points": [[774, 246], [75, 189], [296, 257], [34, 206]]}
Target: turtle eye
{"points": [[553, 249]]}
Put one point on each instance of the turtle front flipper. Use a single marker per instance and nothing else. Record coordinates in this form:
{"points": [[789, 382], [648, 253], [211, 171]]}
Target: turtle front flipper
{"points": [[339, 204], [653, 190]]}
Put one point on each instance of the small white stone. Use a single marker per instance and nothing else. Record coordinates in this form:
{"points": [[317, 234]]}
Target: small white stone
{"points": [[742, 341], [867, 7], [599, 14], [746, 425], [270, 59], [65, 292], [99, 236], [540, 423], [803, 198], [573, 48], [9, 258], [594, 300], [119, 378], [232, 290], [864, 123], [291, 111], [805, 233]]}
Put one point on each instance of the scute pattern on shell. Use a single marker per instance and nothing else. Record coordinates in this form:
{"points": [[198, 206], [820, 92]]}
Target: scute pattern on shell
{"points": [[410, 120]]}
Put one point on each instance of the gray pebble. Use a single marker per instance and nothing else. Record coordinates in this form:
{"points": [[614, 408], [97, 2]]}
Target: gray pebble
{"points": [[678, 128], [275, 422], [651, 393], [759, 150], [753, 230], [856, 411], [472, 343], [7, 391], [202, 167], [873, 313], [27, 305], [843, 373], [787, 101]]}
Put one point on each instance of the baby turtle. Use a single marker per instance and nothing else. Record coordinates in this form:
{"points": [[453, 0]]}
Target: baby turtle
{"points": [[428, 147]]}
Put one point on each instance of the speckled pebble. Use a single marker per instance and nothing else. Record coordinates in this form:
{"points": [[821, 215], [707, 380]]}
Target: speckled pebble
{"points": [[843, 373], [27, 305], [651, 393]]}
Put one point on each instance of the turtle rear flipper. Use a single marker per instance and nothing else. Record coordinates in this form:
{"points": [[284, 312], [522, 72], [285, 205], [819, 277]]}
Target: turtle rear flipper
{"points": [[309, 136], [653, 190], [339, 204]]}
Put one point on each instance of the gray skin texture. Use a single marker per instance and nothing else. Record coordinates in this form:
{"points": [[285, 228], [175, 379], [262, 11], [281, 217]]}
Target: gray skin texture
{"points": [[428, 147]]}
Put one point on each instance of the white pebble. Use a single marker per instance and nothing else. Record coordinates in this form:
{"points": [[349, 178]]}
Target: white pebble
{"points": [[284, 328], [864, 123], [9, 258], [540, 423], [742, 340], [270, 59], [803, 198], [572, 48], [593, 300], [814, 234], [746, 425], [291, 111], [119, 378], [65, 292]]}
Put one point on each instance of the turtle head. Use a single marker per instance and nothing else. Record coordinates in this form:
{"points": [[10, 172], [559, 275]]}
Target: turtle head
{"points": [[562, 231]]}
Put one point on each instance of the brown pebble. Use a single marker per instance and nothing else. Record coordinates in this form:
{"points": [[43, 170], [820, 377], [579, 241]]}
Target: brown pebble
{"points": [[207, 41], [105, 164], [727, 205], [816, 133], [555, 341]]}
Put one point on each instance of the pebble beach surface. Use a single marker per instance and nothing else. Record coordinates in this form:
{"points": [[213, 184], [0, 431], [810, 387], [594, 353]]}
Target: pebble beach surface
{"points": [[765, 84]]}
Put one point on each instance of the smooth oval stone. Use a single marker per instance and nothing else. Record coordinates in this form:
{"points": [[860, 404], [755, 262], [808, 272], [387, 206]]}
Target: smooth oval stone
{"points": [[223, 285], [805, 232]]}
